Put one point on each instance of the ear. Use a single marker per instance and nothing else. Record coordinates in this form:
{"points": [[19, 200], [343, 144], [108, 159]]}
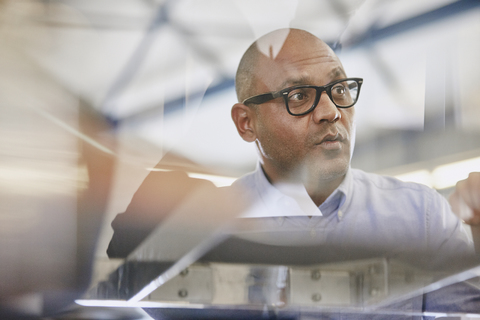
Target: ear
{"points": [[244, 119]]}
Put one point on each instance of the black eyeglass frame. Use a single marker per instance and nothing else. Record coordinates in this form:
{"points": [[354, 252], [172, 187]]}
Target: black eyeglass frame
{"points": [[265, 97]]}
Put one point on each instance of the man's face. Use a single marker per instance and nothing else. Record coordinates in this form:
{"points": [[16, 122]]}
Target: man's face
{"points": [[313, 147]]}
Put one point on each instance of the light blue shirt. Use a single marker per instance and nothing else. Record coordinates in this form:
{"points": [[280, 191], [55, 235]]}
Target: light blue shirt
{"points": [[366, 212]]}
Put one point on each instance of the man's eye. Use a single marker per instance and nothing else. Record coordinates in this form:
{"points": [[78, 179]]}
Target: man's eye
{"points": [[339, 90], [297, 96]]}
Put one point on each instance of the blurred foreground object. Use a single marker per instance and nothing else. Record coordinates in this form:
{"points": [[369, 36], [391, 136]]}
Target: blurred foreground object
{"points": [[56, 164], [360, 289], [157, 197]]}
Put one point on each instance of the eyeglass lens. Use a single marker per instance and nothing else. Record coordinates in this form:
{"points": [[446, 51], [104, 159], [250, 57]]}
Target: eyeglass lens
{"points": [[344, 94]]}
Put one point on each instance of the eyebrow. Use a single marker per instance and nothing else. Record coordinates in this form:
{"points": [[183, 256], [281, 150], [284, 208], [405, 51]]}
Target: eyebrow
{"points": [[334, 74], [337, 72], [295, 81]]}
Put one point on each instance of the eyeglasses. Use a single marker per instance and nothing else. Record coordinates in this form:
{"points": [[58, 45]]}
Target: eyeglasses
{"points": [[301, 100]]}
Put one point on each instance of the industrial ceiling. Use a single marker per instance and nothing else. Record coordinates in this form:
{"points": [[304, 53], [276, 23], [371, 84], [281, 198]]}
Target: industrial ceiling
{"points": [[162, 72]]}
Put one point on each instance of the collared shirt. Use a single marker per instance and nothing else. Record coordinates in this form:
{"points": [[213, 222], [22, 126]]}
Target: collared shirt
{"points": [[366, 212], [290, 200]]}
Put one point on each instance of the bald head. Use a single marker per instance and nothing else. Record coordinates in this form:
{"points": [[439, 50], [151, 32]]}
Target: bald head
{"points": [[268, 48]]}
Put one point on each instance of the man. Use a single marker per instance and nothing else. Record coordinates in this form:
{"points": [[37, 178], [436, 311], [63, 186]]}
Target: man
{"points": [[296, 104], [305, 139]]}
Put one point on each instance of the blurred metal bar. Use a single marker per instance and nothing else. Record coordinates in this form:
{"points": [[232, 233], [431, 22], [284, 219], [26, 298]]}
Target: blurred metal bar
{"points": [[176, 104], [133, 65], [447, 11], [355, 284]]}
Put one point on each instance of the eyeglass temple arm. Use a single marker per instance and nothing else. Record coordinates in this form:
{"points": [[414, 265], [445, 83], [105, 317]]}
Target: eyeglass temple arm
{"points": [[259, 99]]}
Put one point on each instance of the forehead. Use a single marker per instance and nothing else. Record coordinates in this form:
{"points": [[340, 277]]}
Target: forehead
{"points": [[301, 60]]}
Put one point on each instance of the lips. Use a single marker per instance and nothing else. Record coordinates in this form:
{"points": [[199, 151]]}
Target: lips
{"points": [[332, 137]]}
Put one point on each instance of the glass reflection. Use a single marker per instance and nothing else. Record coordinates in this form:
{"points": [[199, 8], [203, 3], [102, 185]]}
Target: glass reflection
{"points": [[308, 228]]}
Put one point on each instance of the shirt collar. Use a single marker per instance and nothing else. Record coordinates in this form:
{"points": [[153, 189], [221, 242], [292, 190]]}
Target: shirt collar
{"points": [[292, 199], [338, 197]]}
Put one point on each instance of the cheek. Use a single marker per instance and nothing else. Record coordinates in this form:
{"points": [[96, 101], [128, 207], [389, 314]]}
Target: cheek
{"points": [[349, 126], [280, 139], [347, 121]]}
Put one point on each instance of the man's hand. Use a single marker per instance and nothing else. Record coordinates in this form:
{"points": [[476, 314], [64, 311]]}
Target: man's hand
{"points": [[465, 201]]}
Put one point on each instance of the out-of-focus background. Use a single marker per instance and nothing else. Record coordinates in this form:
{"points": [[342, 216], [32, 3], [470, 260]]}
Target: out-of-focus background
{"points": [[94, 94]]}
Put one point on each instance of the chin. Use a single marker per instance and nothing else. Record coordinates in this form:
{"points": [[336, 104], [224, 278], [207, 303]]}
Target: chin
{"points": [[327, 170]]}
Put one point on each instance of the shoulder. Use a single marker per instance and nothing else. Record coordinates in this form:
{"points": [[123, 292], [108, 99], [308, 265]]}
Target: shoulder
{"points": [[245, 179], [413, 196], [255, 180], [387, 183]]}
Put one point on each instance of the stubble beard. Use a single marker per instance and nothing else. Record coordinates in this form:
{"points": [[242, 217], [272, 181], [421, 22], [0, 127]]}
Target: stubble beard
{"points": [[316, 173], [309, 169]]}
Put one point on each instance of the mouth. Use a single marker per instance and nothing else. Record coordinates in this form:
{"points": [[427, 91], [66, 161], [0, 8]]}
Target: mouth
{"points": [[332, 141], [332, 137]]}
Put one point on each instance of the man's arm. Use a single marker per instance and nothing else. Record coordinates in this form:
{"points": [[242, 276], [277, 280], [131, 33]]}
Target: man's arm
{"points": [[465, 202], [156, 198]]}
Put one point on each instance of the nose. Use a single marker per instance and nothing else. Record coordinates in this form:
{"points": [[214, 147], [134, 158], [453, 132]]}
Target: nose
{"points": [[326, 110]]}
